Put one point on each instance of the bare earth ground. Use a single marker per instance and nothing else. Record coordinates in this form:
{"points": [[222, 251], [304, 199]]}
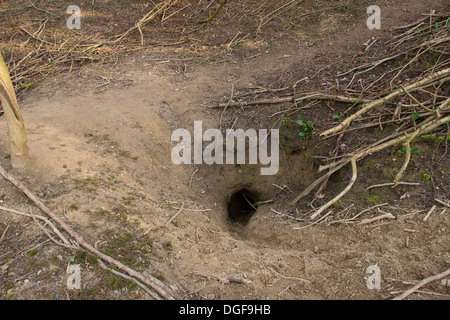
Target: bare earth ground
{"points": [[99, 141]]}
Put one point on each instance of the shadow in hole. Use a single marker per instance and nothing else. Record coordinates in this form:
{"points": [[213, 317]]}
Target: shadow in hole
{"points": [[241, 207]]}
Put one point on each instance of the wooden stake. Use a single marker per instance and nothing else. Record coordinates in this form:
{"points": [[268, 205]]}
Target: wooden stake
{"points": [[16, 125]]}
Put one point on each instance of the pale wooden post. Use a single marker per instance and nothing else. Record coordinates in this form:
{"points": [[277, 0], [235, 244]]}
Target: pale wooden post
{"points": [[16, 125]]}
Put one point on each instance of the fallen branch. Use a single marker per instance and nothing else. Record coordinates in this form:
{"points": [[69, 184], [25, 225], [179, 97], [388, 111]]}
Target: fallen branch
{"points": [[318, 181], [47, 222], [393, 184], [414, 86], [399, 175], [313, 96], [162, 289], [422, 283], [425, 128], [340, 195], [120, 274]]}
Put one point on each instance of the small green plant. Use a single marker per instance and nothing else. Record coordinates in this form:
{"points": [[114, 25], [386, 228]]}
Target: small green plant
{"points": [[337, 116], [426, 178], [373, 200], [287, 122], [306, 128], [415, 116], [73, 207], [436, 140], [403, 150]]}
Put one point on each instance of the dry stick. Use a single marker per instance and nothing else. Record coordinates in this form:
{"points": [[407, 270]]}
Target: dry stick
{"points": [[315, 222], [34, 37], [391, 137], [248, 201], [344, 124], [393, 184], [289, 278], [318, 181], [416, 57], [387, 215], [442, 202], [413, 98], [374, 65], [360, 213], [273, 15], [160, 7], [55, 230], [429, 213], [4, 233], [312, 96], [50, 236], [425, 128], [120, 274], [421, 130], [411, 24], [422, 283], [368, 65], [161, 288], [192, 176], [399, 175], [340, 195], [175, 215], [284, 214]]}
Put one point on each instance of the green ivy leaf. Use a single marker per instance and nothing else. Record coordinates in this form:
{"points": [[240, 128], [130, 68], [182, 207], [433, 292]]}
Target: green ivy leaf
{"points": [[415, 116]]}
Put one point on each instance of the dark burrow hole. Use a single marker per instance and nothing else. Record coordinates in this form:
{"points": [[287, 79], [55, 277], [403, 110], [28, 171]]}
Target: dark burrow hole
{"points": [[242, 205]]}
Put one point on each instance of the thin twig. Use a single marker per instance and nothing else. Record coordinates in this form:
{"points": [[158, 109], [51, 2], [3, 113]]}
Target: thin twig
{"points": [[4, 233], [429, 213], [47, 222], [175, 215], [387, 215], [393, 184], [192, 176]]}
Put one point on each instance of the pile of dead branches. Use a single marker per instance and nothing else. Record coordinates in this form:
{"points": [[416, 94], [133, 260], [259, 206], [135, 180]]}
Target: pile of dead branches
{"points": [[422, 106], [42, 52], [411, 94]]}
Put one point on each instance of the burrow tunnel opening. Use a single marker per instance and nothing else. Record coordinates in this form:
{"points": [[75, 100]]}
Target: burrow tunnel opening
{"points": [[242, 205]]}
